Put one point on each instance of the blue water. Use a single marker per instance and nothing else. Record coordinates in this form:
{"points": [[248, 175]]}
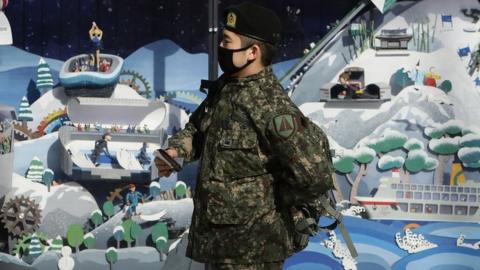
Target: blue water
{"points": [[375, 244]]}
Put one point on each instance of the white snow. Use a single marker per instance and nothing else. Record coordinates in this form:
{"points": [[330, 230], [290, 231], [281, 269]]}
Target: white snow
{"points": [[118, 229], [471, 137], [364, 151], [413, 142], [434, 143], [70, 198], [387, 159], [418, 153]]}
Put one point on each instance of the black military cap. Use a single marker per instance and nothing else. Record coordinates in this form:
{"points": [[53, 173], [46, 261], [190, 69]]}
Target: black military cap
{"points": [[253, 21]]}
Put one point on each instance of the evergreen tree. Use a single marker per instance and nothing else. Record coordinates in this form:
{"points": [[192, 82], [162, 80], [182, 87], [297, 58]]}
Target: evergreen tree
{"points": [[35, 170], [57, 244], [44, 76], [34, 248], [25, 113]]}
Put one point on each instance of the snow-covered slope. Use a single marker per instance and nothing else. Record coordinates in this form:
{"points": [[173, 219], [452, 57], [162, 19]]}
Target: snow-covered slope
{"points": [[64, 205]]}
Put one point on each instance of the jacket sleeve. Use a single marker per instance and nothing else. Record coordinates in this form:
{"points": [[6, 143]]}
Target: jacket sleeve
{"points": [[187, 140]]}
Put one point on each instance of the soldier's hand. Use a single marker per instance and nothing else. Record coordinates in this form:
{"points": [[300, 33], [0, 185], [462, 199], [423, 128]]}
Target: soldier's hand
{"points": [[164, 170]]}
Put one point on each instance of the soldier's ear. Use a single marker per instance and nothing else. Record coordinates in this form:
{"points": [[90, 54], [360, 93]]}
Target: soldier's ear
{"points": [[254, 52]]}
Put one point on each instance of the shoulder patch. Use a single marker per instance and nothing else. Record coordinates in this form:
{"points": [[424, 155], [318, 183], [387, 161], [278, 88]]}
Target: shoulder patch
{"points": [[284, 125]]}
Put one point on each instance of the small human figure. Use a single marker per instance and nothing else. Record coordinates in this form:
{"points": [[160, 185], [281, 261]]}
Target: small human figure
{"points": [[146, 129], [142, 157], [96, 37], [66, 262], [131, 200], [104, 65], [79, 127], [101, 146]]}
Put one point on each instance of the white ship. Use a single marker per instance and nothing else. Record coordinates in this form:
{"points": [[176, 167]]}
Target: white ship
{"points": [[402, 201]]}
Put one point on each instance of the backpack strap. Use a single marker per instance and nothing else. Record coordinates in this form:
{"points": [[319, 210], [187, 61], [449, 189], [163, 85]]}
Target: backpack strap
{"points": [[338, 223]]}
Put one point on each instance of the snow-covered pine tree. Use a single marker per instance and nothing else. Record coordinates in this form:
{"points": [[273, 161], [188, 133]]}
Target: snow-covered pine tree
{"points": [[25, 113], [34, 249], [35, 170], [57, 244], [44, 76]]}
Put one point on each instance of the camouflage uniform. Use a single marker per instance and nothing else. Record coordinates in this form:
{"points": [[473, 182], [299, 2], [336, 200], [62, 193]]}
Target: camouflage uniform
{"points": [[247, 135]]}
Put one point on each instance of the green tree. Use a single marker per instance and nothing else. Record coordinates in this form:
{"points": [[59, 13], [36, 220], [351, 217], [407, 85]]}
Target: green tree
{"points": [[131, 231], [44, 76], [180, 190], [389, 141], [96, 217], [161, 243], [154, 190], [108, 209], [25, 113], [75, 236], [47, 178], [446, 86], [445, 142], [160, 238], [118, 234], [111, 255], [57, 244], [35, 170], [343, 164], [363, 156], [89, 240], [35, 247]]}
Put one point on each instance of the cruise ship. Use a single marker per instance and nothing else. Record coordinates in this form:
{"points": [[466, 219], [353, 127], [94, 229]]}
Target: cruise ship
{"points": [[401, 201]]}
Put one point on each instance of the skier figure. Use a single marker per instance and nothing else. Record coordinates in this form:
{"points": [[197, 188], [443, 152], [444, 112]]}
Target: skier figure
{"points": [[101, 146], [142, 157], [132, 199]]}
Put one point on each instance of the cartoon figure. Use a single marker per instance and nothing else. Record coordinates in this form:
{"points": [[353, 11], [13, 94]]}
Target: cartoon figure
{"points": [[142, 157], [131, 200], [96, 37], [104, 65], [431, 77], [101, 146]]}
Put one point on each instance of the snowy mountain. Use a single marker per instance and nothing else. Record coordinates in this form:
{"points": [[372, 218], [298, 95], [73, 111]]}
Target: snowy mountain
{"points": [[64, 205], [412, 108]]}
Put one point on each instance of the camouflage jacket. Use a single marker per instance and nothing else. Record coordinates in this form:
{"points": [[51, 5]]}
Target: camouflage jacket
{"points": [[248, 138]]}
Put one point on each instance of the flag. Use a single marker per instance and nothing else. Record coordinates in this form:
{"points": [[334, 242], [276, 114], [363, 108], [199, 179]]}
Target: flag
{"points": [[447, 18], [462, 52]]}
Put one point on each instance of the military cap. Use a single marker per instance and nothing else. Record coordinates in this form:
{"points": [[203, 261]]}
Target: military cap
{"points": [[253, 21]]}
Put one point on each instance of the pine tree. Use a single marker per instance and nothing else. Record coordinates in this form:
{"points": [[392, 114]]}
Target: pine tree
{"points": [[34, 249], [25, 113], [35, 170], [57, 244], [44, 76]]}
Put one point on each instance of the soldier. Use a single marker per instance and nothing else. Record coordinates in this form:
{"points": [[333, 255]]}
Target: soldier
{"points": [[249, 138]]}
